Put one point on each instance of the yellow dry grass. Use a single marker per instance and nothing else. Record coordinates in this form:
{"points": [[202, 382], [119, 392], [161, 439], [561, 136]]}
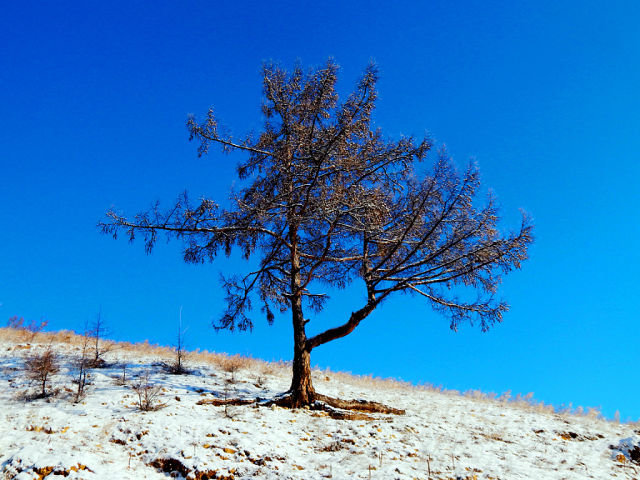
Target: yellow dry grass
{"points": [[223, 361], [234, 363]]}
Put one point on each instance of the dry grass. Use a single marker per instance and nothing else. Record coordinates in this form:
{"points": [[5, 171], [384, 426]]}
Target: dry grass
{"points": [[223, 361], [234, 363], [30, 329]]}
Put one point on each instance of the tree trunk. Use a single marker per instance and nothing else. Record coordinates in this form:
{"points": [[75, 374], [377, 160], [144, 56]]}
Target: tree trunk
{"points": [[301, 391]]}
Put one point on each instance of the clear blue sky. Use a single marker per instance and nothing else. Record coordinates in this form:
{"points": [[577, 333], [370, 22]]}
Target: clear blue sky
{"points": [[544, 95]]}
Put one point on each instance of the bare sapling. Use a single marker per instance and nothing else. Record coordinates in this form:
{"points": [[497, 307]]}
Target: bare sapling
{"points": [[99, 347], [122, 379], [40, 367], [81, 365], [177, 366]]}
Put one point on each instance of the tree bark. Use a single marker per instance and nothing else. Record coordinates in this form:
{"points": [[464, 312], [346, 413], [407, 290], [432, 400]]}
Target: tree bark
{"points": [[301, 390]]}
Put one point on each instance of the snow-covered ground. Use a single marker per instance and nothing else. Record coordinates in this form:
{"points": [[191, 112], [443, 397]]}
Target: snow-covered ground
{"points": [[443, 435]]}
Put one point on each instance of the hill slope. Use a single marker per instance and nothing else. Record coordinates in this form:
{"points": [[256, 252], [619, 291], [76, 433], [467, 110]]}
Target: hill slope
{"points": [[448, 435]]}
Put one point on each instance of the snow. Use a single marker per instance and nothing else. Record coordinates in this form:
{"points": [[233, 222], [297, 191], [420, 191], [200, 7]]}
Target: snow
{"points": [[450, 435]]}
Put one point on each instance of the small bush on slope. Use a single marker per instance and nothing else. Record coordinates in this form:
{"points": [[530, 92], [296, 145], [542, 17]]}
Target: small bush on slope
{"points": [[148, 394], [39, 367]]}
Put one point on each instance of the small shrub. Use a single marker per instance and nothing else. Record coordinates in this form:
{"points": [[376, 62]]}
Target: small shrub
{"points": [[177, 365], [122, 379], [505, 397], [40, 366], [148, 394], [175, 368]]}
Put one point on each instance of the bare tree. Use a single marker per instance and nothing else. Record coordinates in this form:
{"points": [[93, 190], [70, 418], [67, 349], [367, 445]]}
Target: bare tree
{"points": [[326, 199]]}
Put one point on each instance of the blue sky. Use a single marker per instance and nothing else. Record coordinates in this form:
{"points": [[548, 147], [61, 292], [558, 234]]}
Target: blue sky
{"points": [[543, 95]]}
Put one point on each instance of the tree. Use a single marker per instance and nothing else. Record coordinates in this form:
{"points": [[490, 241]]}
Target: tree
{"points": [[327, 200]]}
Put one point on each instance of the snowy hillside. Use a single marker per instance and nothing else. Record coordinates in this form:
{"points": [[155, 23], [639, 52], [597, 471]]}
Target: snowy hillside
{"points": [[443, 435]]}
